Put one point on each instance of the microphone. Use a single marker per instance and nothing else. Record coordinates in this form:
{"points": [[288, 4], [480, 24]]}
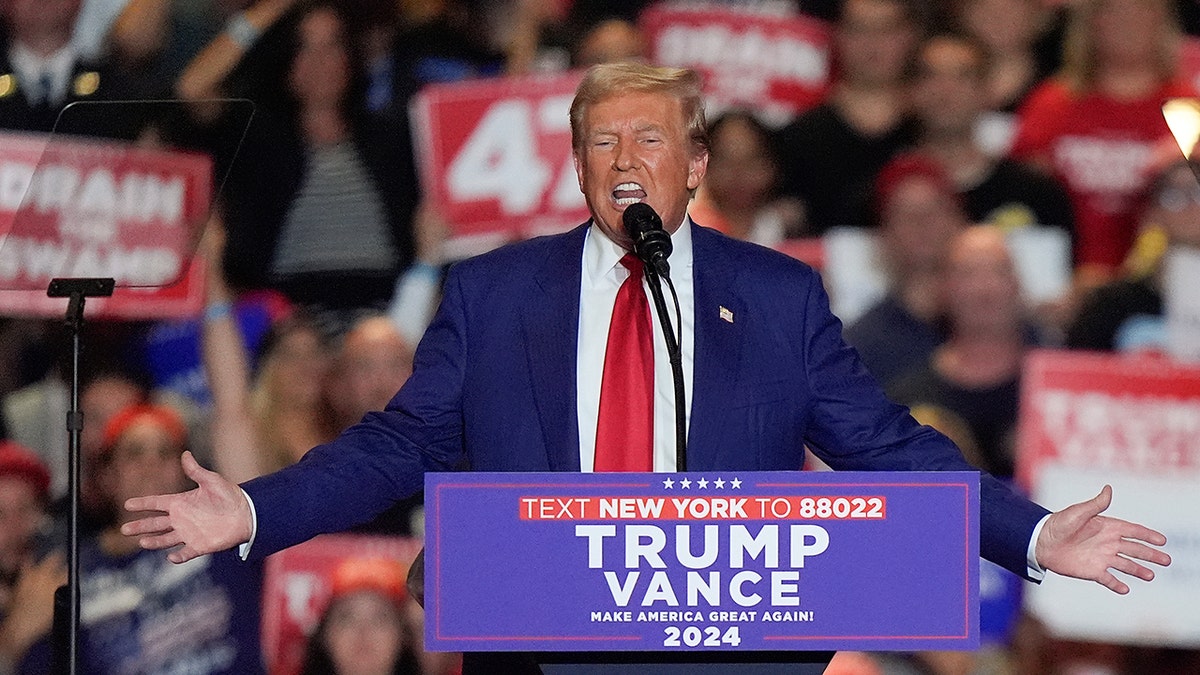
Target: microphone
{"points": [[651, 242]]}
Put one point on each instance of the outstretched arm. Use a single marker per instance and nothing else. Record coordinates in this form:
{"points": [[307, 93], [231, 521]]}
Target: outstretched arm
{"points": [[213, 517], [1079, 542]]}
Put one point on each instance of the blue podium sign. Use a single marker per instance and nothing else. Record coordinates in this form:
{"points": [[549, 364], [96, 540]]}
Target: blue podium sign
{"points": [[701, 561]]}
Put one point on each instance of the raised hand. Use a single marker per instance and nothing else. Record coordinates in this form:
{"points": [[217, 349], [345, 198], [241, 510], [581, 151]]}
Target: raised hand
{"points": [[213, 517], [1079, 542], [32, 608]]}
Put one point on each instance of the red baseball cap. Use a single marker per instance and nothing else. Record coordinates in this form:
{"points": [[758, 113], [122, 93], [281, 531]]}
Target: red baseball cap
{"points": [[160, 415], [908, 166], [18, 461], [383, 575]]}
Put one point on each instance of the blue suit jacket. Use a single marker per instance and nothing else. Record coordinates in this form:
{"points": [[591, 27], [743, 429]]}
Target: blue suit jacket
{"points": [[494, 383]]}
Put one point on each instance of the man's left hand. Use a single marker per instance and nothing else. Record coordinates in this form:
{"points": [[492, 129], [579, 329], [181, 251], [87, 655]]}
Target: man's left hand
{"points": [[1079, 542]]}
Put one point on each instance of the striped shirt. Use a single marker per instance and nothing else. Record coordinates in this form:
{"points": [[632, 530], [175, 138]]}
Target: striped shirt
{"points": [[337, 220]]}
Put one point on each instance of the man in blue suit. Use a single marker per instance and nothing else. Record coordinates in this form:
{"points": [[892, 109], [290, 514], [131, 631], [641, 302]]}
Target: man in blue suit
{"points": [[508, 376]]}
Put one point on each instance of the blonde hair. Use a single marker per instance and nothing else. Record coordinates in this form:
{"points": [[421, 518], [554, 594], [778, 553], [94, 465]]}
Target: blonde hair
{"points": [[1079, 46], [611, 79]]}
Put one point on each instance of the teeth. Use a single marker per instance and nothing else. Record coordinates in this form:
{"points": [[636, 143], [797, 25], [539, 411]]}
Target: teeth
{"points": [[628, 193]]}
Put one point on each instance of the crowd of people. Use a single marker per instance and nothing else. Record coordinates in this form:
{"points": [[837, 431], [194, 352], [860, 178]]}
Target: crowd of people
{"points": [[946, 126]]}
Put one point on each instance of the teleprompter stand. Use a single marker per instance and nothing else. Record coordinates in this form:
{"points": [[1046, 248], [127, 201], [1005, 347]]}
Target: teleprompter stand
{"points": [[67, 598]]}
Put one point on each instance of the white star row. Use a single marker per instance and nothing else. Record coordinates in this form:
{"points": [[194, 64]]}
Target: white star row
{"points": [[703, 483]]}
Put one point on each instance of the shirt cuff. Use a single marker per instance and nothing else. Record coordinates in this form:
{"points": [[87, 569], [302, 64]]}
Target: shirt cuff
{"points": [[244, 549], [1035, 570]]}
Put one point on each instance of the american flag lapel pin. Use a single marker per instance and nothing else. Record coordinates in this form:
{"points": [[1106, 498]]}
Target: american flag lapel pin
{"points": [[726, 314]]}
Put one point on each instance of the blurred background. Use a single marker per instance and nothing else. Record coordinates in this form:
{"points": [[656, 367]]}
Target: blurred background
{"points": [[1005, 225]]}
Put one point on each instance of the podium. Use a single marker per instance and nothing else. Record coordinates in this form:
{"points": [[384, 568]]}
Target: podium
{"points": [[699, 572]]}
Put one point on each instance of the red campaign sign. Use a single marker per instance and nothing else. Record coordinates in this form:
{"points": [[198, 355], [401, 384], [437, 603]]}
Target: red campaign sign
{"points": [[776, 65], [1114, 413], [1189, 61], [809, 251], [298, 586], [495, 156], [77, 208]]}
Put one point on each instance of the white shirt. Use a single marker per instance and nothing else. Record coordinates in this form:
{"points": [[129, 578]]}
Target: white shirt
{"points": [[31, 68], [602, 277]]}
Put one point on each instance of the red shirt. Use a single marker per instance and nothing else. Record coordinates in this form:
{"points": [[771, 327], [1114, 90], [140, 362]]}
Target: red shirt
{"points": [[1100, 149]]}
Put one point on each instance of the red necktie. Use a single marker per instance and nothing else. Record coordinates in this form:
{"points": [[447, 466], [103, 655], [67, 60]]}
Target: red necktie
{"points": [[625, 429]]}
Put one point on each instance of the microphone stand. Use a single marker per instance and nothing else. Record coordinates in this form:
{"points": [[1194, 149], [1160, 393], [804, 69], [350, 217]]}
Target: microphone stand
{"points": [[675, 355], [65, 657]]}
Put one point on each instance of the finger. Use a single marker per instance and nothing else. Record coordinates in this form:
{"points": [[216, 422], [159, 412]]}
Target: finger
{"points": [[1098, 504], [149, 525], [1112, 583], [1132, 569], [1136, 549], [157, 542], [1130, 530], [161, 503], [181, 555], [192, 468]]}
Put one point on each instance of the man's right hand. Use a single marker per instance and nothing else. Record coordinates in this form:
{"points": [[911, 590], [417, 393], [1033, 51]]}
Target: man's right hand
{"points": [[213, 517]]}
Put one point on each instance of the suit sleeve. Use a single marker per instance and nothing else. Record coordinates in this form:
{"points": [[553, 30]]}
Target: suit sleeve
{"points": [[381, 459], [852, 426]]}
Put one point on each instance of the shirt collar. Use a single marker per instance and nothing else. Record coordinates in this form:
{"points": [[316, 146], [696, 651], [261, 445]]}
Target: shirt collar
{"points": [[601, 255], [30, 67]]}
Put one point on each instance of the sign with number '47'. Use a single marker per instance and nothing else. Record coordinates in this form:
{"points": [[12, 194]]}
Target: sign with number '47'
{"points": [[495, 157]]}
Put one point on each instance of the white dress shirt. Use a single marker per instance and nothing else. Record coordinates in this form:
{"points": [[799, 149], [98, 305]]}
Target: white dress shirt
{"points": [[602, 277], [31, 70]]}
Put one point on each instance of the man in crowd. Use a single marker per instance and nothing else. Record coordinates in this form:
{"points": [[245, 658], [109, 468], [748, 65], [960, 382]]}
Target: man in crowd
{"points": [[519, 370], [832, 153], [40, 71], [949, 100]]}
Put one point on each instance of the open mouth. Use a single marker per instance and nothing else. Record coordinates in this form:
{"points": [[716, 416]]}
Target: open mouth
{"points": [[628, 193]]}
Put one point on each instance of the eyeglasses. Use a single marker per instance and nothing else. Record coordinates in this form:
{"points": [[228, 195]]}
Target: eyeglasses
{"points": [[1173, 198]]}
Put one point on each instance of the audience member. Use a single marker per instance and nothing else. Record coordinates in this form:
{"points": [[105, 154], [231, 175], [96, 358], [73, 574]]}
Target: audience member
{"points": [[740, 193], [536, 38], [324, 204], [42, 71], [438, 41], [975, 373], [1022, 39], [949, 99], [144, 614], [24, 495], [363, 630], [35, 415], [919, 214], [549, 37], [271, 417], [320, 200], [150, 42], [832, 153], [104, 394], [1096, 124], [1127, 314], [609, 41], [28, 576], [371, 363]]}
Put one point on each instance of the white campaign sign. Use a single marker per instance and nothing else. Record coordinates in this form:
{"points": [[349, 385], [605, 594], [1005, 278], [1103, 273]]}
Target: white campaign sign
{"points": [[1164, 612], [1181, 282]]}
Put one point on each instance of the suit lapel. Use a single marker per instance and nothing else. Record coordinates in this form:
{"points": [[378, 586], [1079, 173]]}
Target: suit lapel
{"points": [[715, 368], [551, 326]]}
